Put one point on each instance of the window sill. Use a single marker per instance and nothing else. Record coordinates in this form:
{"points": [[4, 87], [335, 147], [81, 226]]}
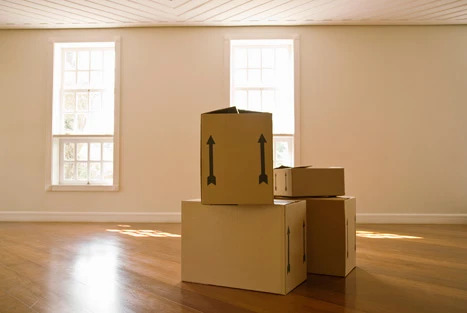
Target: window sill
{"points": [[82, 188]]}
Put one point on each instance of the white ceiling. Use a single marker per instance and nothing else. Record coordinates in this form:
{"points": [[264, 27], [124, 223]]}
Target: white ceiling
{"points": [[131, 13]]}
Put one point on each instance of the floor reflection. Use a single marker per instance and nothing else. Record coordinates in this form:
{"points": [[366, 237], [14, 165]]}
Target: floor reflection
{"points": [[376, 235], [96, 267]]}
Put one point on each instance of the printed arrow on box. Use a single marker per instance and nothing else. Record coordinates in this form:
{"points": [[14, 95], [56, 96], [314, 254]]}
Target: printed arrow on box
{"points": [[263, 178], [288, 249], [211, 177], [304, 239]]}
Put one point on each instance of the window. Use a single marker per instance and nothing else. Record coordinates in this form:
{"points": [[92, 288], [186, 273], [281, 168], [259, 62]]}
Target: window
{"points": [[83, 114], [262, 79]]}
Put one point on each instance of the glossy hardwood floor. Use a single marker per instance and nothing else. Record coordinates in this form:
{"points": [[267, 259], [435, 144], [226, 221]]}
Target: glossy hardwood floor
{"points": [[85, 268]]}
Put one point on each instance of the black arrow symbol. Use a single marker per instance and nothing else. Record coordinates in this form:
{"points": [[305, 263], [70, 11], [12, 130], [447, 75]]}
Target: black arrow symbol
{"points": [[263, 178], [211, 177], [288, 249], [285, 181], [304, 238]]}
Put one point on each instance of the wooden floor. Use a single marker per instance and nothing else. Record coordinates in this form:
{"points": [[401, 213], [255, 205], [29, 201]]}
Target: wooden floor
{"points": [[73, 267]]}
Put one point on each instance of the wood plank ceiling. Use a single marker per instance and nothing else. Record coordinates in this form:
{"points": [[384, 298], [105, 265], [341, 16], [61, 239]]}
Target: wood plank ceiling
{"points": [[132, 13]]}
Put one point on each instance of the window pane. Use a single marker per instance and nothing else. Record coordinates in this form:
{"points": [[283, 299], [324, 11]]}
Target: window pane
{"points": [[109, 60], [267, 58], [268, 76], [70, 60], [95, 102], [82, 171], [83, 60], [95, 153], [69, 122], [82, 151], [240, 76], [254, 100], [96, 60], [94, 171], [241, 100], [254, 76], [69, 171], [254, 58], [69, 101], [69, 151], [283, 151], [96, 79], [82, 101], [82, 120], [83, 79], [240, 58], [108, 171], [69, 79], [108, 151], [268, 101]]}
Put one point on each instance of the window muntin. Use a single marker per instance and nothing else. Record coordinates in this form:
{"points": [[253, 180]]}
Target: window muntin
{"points": [[262, 79]]}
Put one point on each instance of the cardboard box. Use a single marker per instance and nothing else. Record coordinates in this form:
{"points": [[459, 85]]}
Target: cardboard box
{"points": [[236, 157], [307, 181], [331, 231], [255, 247]]}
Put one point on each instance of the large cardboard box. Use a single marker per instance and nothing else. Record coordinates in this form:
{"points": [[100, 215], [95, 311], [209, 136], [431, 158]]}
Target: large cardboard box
{"points": [[307, 181], [331, 231], [236, 157], [255, 247]]}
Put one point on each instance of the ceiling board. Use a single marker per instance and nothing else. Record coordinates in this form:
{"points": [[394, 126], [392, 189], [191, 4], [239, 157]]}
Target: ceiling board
{"points": [[134, 13]]}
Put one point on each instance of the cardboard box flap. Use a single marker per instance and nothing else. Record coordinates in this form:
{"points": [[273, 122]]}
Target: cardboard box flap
{"points": [[230, 110], [283, 166], [285, 201]]}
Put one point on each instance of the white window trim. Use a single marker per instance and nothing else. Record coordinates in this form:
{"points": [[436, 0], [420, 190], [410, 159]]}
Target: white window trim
{"points": [[259, 36], [49, 117]]}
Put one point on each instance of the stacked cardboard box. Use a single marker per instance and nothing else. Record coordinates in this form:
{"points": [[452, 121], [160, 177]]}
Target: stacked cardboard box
{"points": [[237, 235], [330, 215]]}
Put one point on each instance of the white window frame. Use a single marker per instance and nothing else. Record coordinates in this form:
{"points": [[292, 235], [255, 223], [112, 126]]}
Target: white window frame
{"points": [[51, 182], [227, 82]]}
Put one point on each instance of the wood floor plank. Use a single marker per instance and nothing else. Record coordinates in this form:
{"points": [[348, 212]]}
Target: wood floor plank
{"points": [[135, 267]]}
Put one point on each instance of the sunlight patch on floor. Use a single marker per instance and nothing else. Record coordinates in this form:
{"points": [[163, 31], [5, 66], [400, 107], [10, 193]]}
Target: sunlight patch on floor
{"points": [[144, 233], [376, 235]]}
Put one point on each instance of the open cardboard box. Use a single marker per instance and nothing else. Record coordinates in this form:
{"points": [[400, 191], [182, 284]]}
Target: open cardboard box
{"points": [[236, 157]]}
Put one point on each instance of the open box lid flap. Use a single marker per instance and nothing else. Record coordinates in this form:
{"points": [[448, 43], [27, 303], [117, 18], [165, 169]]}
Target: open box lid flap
{"points": [[231, 110], [283, 166]]}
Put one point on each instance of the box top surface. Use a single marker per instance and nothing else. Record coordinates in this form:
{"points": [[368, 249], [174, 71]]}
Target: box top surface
{"points": [[307, 167], [276, 202], [338, 198]]}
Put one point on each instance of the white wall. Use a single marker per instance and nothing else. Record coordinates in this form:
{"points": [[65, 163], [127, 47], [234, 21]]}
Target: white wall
{"points": [[388, 103]]}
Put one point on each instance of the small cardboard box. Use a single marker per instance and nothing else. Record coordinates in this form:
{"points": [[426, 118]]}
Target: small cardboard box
{"points": [[236, 157], [307, 181], [254, 247], [331, 231]]}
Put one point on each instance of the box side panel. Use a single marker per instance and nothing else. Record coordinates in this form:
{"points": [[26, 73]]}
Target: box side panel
{"points": [[350, 216], [236, 159], [318, 182], [283, 182], [296, 266], [326, 236], [233, 246]]}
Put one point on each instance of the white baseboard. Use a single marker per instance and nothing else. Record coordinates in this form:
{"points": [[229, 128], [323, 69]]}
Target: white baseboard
{"points": [[381, 218], [130, 217], [175, 217]]}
